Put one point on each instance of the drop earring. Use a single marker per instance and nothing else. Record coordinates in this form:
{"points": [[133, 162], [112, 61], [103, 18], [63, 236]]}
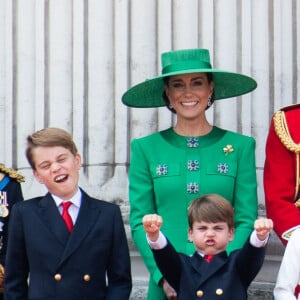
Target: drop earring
{"points": [[209, 101]]}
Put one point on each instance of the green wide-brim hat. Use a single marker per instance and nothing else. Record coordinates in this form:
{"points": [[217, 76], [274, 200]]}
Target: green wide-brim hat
{"points": [[226, 84]]}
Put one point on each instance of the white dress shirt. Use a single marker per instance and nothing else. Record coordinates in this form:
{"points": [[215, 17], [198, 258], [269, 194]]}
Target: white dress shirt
{"points": [[74, 208], [289, 272]]}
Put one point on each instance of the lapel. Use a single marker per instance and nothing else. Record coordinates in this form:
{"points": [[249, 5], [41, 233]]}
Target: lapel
{"points": [[52, 219], [206, 270], [87, 216]]}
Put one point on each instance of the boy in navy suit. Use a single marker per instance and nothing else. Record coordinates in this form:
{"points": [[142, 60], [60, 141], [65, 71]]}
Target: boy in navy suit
{"points": [[210, 272], [73, 253]]}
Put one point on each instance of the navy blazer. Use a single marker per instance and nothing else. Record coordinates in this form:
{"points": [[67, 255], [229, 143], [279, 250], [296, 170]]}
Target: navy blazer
{"points": [[225, 277], [90, 263]]}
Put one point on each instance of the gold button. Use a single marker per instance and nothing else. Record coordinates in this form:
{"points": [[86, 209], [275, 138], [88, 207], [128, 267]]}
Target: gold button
{"points": [[57, 277], [86, 277], [199, 293], [219, 292]]}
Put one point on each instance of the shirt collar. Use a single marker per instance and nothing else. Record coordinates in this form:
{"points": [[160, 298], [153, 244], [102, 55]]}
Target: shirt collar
{"points": [[76, 199], [201, 253]]}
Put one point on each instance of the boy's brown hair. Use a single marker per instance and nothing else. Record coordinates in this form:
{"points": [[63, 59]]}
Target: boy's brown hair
{"points": [[49, 137], [211, 208]]}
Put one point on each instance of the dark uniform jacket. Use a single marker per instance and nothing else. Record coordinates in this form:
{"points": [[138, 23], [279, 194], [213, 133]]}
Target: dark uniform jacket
{"points": [[10, 193], [10, 185], [225, 277]]}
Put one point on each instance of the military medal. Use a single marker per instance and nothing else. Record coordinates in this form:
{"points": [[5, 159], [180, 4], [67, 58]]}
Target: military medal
{"points": [[3, 205], [3, 211]]}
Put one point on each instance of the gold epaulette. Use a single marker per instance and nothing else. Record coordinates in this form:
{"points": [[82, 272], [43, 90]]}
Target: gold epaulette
{"points": [[12, 173], [287, 235], [282, 130]]}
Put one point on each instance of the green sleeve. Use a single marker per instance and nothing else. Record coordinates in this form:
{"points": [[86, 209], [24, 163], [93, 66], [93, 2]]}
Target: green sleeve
{"points": [[245, 200], [142, 201]]}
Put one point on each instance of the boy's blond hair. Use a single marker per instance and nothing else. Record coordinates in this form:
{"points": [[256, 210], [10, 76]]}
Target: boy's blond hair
{"points": [[49, 137]]}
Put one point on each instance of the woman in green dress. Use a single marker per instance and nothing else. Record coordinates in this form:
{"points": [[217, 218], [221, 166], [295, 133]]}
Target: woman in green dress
{"points": [[170, 168]]}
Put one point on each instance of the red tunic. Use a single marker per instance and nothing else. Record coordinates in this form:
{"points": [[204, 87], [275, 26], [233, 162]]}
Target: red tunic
{"points": [[280, 174]]}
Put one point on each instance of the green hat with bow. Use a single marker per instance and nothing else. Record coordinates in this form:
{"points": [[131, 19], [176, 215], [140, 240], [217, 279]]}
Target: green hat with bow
{"points": [[187, 61]]}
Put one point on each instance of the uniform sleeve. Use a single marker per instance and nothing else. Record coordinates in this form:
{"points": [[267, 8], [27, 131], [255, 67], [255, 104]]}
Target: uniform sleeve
{"points": [[279, 185], [289, 271], [14, 195], [245, 201], [141, 197]]}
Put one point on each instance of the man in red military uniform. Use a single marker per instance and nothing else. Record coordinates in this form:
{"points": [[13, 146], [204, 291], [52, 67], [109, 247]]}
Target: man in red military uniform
{"points": [[282, 171]]}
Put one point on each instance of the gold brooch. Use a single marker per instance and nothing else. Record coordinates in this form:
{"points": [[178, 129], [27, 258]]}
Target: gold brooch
{"points": [[228, 149]]}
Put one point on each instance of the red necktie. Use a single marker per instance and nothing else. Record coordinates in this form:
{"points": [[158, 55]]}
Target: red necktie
{"points": [[208, 258], [66, 216]]}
